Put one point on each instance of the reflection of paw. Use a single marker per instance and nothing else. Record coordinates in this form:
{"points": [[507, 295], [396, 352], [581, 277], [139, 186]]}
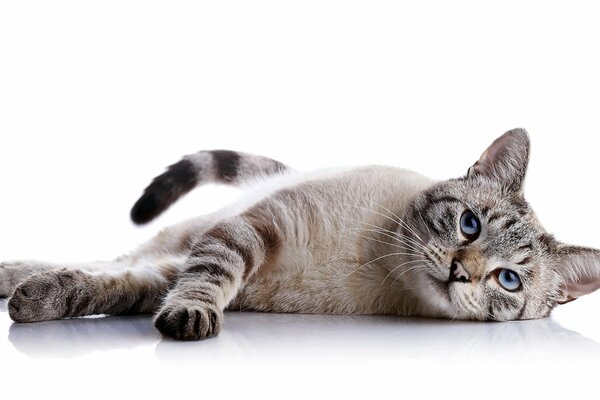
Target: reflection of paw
{"points": [[44, 296], [189, 322]]}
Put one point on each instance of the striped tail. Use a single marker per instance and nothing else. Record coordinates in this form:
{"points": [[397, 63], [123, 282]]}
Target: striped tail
{"points": [[224, 166]]}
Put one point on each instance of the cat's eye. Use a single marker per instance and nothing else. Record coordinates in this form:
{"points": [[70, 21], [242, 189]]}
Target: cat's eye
{"points": [[470, 226], [508, 279]]}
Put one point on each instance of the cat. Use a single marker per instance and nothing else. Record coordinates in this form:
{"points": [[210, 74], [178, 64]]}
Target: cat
{"points": [[365, 240]]}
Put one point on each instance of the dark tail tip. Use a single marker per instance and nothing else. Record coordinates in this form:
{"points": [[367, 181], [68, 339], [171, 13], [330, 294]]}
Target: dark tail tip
{"points": [[164, 190], [147, 208]]}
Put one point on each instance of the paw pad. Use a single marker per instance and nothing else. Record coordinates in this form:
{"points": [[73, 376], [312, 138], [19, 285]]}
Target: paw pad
{"points": [[189, 323]]}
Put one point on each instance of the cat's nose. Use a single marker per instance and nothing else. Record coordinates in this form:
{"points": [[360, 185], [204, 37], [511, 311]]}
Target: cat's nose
{"points": [[458, 273]]}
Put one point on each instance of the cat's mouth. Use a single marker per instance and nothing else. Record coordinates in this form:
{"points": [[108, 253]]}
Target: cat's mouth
{"points": [[440, 286]]}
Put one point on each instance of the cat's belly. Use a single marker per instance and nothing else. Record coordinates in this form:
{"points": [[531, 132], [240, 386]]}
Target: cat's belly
{"points": [[300, 286], [298, 294], [322, 289]]}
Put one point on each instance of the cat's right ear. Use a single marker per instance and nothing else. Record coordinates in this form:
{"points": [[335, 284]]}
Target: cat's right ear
{"points": [[579, 271], [505, 161]]}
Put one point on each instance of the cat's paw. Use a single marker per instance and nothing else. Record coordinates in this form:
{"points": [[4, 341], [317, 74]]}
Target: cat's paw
{"points": [[43, 296], [12, 273], [189, 322]]}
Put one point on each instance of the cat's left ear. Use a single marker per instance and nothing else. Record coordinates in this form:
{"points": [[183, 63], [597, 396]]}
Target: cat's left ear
{"points": [[505, 161], [579, 271]]}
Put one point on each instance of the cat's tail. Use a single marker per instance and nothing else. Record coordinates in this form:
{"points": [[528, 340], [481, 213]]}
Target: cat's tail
{"points": [[193, 170]]}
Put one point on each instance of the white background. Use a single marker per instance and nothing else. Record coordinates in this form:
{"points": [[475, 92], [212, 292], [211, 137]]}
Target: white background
{"points": [[96, 98]]}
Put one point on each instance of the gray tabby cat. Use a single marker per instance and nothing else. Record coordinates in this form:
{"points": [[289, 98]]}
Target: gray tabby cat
{"points": [[370, 240]]}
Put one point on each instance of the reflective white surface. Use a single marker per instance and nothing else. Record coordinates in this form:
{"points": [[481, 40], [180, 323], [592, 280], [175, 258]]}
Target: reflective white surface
{"points": [[262, 335], [346, 354]]}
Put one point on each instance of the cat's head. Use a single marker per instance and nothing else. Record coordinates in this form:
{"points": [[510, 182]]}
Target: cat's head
{"points": [[488, 256]]}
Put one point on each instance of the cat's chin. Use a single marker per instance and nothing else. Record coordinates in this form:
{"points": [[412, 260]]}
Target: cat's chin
{"points": [[436, 295], [444, 296]]}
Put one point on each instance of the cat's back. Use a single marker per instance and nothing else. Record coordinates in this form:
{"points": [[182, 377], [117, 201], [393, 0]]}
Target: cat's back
{"points": [[337, 185]]}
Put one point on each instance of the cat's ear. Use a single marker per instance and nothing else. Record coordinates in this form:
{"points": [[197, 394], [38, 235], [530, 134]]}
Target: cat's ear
{"points": [[579, 271], [505, 161]]}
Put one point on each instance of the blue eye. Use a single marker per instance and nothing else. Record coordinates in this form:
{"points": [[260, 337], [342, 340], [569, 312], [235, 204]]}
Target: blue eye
{"points": [[508, 279], [470, 225]]}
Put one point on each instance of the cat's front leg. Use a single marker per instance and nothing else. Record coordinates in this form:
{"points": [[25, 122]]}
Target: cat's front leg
{"points": [[220, 263]]}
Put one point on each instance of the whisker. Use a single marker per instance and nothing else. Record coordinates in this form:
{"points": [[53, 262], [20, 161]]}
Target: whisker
{"points": [[398, 239], [390, 244], [397, 221], [378, 227], [391, 234], [401, 265], [407, 270], [405, 237], [400, 220], [402, 240], [378, 258], [369, 224], [394, 235]]}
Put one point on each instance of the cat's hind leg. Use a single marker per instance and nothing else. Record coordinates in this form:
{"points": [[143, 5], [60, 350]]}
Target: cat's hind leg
{"points": [[63, 293], [13, 273]]}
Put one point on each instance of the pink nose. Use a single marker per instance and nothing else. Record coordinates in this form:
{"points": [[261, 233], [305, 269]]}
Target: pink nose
{"points": [[458, 272]]}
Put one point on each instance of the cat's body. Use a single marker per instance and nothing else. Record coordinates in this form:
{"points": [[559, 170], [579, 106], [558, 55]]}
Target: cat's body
{"points": [[368, 240], [327, 220]]}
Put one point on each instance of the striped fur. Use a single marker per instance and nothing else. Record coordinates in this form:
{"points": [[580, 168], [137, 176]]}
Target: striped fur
{"points": [[370, 240], [203, 167]]}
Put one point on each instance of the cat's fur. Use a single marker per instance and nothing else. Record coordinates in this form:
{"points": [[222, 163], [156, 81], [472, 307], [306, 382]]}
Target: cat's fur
{"points": [[370, 240]]}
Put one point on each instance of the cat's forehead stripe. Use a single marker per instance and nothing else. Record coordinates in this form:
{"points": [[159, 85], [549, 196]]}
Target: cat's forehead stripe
{"points": [[524, 261], [528, 246], [522, 310], [508, 223]]}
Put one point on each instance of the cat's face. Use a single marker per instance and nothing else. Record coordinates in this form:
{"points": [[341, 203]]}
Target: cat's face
{"points": [[488, 257]]}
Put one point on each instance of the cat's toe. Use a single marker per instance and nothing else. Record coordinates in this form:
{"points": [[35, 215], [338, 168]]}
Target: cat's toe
{"points": [[189, 323], [24, 308], [20, 308]]}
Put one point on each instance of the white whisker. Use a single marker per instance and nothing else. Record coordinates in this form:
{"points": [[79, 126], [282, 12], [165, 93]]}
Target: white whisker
{"points": [[372, 225], [400, 220], [390, 244], [378, 258], [401, 265], [398, 239], [409, 269], [399, 235], [414, 246]]}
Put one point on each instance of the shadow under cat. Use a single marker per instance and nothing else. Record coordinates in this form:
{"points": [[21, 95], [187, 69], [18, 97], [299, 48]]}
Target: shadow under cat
{"points": [[275, 336]]}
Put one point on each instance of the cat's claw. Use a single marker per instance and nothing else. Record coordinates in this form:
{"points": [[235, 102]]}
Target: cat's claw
{"points": [[189, 322]]}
